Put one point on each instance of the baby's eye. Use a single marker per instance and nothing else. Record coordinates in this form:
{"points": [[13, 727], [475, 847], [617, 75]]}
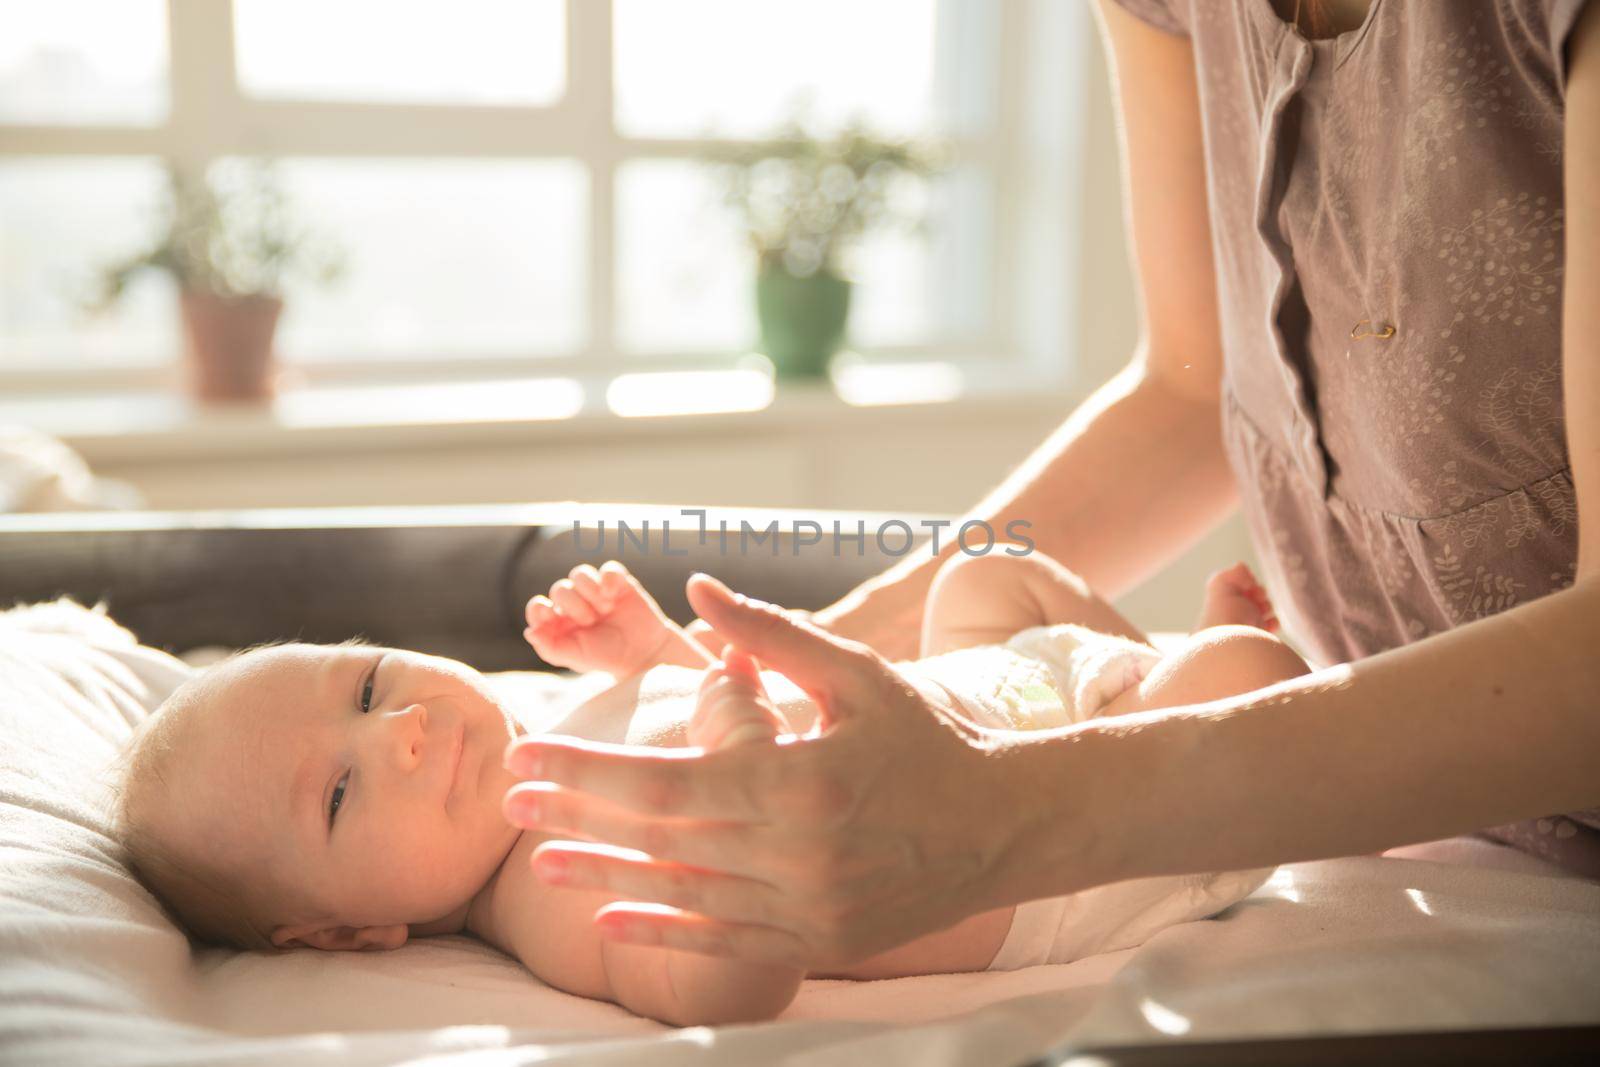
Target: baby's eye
{"points": [[338, 797], [366, 691]]}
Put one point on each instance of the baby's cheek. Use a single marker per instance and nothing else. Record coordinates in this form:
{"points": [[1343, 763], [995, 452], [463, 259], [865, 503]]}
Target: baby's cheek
{"points": [[419, 848]]}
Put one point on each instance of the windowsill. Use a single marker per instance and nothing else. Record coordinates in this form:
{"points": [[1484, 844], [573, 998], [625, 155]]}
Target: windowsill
{"points": [[155, 425]]}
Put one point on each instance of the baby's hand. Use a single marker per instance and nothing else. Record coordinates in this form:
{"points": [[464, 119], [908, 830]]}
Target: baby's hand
{"points": [[598, 620], [1234, 597], [733, 707]]}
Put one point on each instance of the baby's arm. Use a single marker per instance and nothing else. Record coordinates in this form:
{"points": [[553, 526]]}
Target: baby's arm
{"points": [[551, 930], [686, 989]]}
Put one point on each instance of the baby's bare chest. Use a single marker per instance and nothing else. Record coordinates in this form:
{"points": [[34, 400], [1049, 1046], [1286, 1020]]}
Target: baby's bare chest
{"points": [[655, 707]]}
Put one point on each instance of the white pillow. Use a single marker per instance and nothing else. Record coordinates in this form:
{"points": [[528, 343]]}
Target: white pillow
{"points": [[72, 686]]}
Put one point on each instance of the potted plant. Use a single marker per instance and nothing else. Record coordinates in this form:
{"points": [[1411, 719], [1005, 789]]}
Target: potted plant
{"points": [[229, 245], [803, 202]]}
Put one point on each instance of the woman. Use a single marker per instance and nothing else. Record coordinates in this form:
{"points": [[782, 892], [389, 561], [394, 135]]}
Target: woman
{"points": [[1375, 248]]}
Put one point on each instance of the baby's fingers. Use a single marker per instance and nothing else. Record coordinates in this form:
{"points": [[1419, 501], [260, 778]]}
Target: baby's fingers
{"points": [[586, 580], [540, 612], [615, 578], [733, 707], [564, 595]]}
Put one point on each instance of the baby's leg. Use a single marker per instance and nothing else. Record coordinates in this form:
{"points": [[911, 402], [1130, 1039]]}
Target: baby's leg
{"points": [[1219, 662], [979, 600]]}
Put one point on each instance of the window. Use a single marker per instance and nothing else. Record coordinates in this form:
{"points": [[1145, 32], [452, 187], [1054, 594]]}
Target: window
{"points": [[495, 52], [515, 181]]}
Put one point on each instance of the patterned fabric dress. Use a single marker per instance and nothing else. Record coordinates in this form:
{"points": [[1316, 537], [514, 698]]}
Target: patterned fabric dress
{"points": [[1386, 209]]}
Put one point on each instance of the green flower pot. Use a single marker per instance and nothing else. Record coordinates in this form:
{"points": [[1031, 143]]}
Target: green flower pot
{"points": [[802, 320]]}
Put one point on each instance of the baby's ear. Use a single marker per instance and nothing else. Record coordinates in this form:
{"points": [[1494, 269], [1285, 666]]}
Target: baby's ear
{"points": [[341, 938]]}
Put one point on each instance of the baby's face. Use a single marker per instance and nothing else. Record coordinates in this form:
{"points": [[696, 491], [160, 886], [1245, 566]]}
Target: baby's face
{"points": [[370, 779]]}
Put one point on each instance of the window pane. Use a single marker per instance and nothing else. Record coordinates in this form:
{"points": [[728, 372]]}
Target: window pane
{"points": [[685, 272], [929, 286], [683, 269], [739, 67], [402, 51], [60, 221], [83, 61], [442, 258]]}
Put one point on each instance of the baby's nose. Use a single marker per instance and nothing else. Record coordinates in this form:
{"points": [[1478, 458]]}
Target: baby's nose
{"points": [[408, 732]]}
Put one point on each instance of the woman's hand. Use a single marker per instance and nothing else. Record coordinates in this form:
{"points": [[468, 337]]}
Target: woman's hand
{"points": [[885, 822], [884, 613]]}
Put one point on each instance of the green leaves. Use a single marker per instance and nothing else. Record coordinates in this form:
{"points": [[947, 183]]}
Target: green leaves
{"points": [[232, 234], [803, 200]]}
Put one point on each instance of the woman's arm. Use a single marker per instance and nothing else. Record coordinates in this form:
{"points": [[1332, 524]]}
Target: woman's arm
{"points": [[1580, 323], [1490, 722], [1137, 473]]}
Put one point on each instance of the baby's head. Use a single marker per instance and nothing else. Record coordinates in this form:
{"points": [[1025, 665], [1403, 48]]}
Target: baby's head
{"points": [[331, 796]]}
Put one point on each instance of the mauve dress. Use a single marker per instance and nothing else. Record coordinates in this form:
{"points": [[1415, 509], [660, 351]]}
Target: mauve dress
{"points": [[1386, 213]]}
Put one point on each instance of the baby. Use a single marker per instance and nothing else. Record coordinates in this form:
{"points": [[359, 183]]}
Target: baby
{"points": [[349, 796]]}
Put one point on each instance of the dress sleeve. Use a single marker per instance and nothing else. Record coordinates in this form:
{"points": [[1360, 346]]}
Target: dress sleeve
{"points": [[1169, 15], [1556, 19]]}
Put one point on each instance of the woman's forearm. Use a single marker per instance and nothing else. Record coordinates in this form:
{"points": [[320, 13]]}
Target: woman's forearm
{"points": [[1493, 721]]}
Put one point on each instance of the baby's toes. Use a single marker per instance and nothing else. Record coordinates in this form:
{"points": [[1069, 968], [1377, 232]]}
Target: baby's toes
{"points": [[565, 596]]}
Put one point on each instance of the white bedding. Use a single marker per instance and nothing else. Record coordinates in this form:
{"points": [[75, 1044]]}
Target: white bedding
{"points": [[1457, 934]]}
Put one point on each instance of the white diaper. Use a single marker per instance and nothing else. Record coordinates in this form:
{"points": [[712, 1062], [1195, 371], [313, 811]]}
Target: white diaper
{"points": [[1044, 676], [1048, 676], [1115, 916]]}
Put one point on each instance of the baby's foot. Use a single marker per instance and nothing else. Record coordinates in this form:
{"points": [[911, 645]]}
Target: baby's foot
{"points": [[599, 620], [1235, 598], [733, 707]]}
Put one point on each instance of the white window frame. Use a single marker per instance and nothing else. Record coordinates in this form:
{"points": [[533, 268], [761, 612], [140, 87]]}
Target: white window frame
{"points": [[1030, 149]]}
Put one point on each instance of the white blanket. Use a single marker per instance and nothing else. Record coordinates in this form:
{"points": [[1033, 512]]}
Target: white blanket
{"points": [[91, 971]]}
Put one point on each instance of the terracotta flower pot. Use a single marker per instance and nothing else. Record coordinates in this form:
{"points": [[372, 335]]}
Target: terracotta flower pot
{"points": [[228, 346]]}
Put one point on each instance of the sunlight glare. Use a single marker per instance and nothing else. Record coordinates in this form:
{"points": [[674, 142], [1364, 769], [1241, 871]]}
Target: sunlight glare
{"points": [[514, 400], [868, 385], [1420, 901], [689, 392], [1163, 1018]]}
